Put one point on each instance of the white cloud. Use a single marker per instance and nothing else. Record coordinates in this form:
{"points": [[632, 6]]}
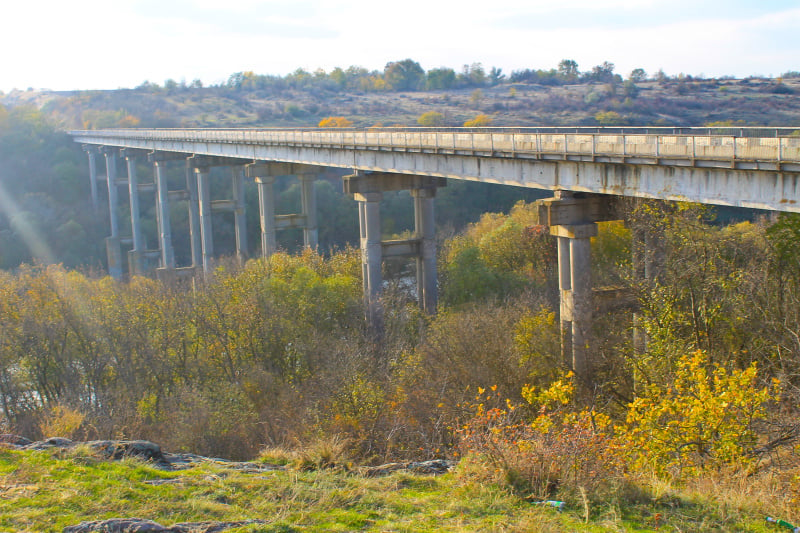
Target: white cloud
{"points": [[99, 44]]}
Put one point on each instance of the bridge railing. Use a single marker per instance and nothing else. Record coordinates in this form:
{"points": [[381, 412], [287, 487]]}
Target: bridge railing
{"points": [[585, 144]]}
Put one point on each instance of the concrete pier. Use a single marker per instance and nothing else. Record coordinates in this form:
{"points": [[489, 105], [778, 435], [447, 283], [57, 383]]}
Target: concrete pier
{"points": [[239, 218], [163, 211], [265, 174], [425, 231], [572, 219], [91, 151], [204, 210], [136, 255], [367, 190], [308, 201], [266, 210], [195, 234], [113, 245]]}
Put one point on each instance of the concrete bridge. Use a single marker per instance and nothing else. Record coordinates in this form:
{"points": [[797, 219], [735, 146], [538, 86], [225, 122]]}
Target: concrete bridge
{"points": [[585, 167]]}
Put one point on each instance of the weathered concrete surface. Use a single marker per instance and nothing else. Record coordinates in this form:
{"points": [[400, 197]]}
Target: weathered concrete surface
{"points": [[755, 173]]}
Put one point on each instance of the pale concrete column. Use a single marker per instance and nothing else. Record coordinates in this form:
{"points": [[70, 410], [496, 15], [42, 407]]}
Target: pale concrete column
{"points": [[575, 284], [371, 255], [308, 199], [239, 218], [581, 280], [162, 208], [136, 266], [362, 228], [111, 179], [194, 217], [565, 298], [425, 228], [92, 152], [113, 249], [266, 210], [133, 192], [207, 239]]}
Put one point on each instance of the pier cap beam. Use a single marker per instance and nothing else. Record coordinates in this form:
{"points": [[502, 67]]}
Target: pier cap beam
{"points": [[386, 181], [270, 168], [207, 161]]}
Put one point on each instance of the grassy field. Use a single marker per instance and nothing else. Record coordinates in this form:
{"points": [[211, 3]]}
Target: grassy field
{"points": [[49, 490]]}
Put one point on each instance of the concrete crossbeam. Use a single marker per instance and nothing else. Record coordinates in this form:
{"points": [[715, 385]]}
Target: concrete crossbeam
{"points": [[384, 182], [289, 221], [401, 248]]}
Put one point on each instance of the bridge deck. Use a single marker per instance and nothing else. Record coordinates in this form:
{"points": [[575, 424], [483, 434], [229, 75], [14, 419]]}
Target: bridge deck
{"points": [[759, 170]]}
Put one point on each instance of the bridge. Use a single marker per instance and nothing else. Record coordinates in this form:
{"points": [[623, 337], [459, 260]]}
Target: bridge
{"points": [[587, 168]]}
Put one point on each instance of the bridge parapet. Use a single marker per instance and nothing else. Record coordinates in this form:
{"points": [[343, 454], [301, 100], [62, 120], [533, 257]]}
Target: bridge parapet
{"points": [[642, 146]]}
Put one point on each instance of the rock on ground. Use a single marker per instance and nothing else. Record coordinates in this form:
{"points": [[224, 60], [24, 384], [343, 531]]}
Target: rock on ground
{"points": [[139, 525]]}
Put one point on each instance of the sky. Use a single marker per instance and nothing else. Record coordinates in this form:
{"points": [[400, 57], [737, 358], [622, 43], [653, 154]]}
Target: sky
{"points": [[102, 44]]}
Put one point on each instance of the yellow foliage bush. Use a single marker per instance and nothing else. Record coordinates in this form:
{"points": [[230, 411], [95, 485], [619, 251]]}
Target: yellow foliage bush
{"points": [[703, 418], [335, 122], [61, 421], [478, 122]]}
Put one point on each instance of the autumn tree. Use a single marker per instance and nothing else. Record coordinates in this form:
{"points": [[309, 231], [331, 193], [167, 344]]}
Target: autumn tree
{"points": [[405, 75], [440, 78], [430, 119], [568, 70]]}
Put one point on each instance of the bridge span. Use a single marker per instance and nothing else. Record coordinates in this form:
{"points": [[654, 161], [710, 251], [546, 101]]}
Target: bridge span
{"points": [[585, 167]]}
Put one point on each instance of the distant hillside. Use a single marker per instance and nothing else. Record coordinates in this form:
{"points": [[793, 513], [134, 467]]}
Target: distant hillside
{"points": [[665, 102]]}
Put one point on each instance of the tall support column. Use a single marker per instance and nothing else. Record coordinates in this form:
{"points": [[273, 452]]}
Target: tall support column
{"points": [[371, 255], [580, 277], [111, 179], [308, 199], [266, 209], [425, 228], [572, 219], [133, 192], [136, 265], [204, 196], [239, 218], [91, 151], [565, 294], [575, 282], [194, 217], [113, 249], [162, 208]]}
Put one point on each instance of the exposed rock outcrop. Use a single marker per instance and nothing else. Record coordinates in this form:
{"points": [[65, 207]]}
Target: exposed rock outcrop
{"points": [[139, 525]]}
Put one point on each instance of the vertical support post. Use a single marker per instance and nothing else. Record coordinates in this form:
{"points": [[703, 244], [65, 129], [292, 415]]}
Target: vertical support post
{"points": [[266, 210], [111, 179], [580, 277], [194, 217], [308, 198], [239, 218], [113, 250], [133, 192], [565, 294], [425, 228], [92, 152], [164, 229], [371, 255], [136, 265], [207, 239]]}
